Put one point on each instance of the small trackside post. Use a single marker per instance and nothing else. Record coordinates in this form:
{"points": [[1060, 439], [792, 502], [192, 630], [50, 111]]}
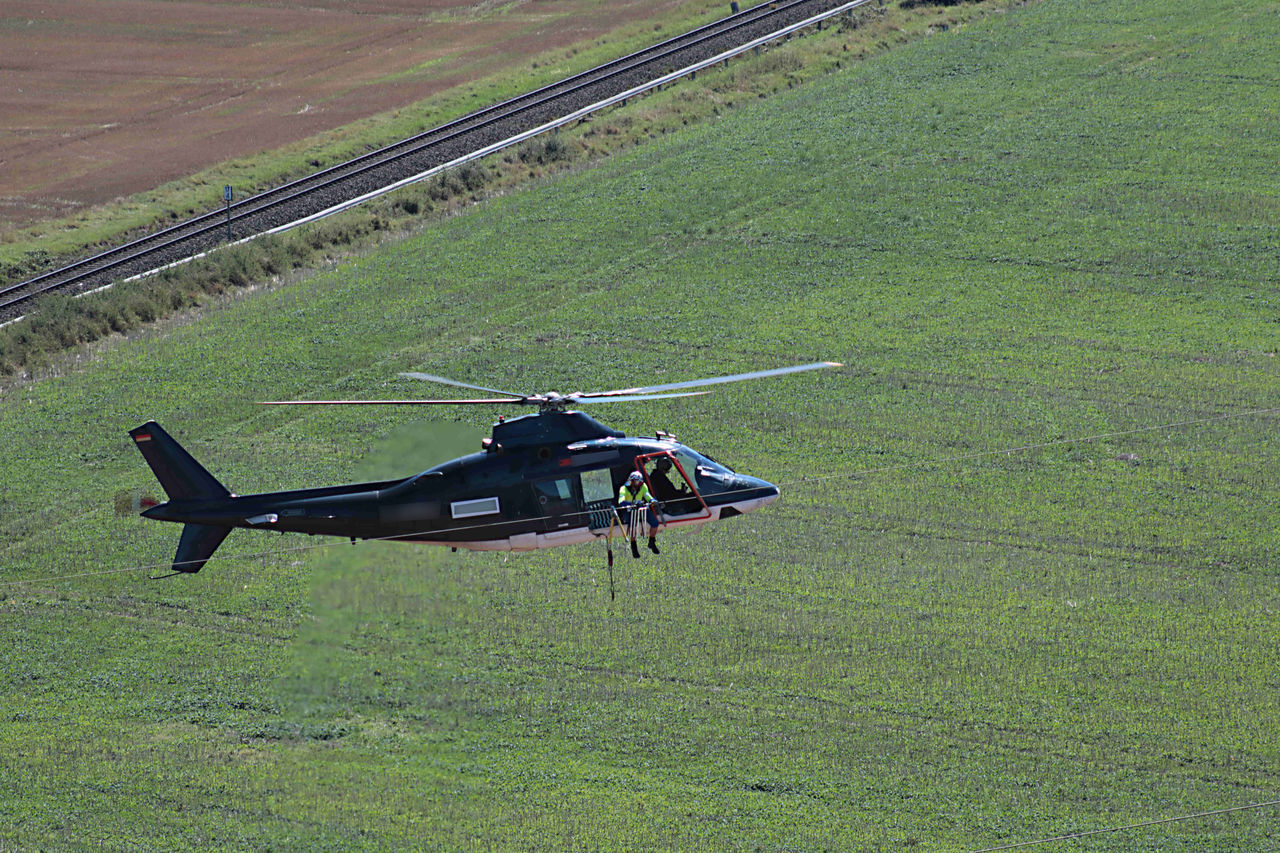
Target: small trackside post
{"points": [[226, 197]]}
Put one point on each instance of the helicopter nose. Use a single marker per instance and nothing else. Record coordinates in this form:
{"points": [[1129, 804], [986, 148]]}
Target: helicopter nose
{"points": [[748, 495], [771, 492], [758, 492]]}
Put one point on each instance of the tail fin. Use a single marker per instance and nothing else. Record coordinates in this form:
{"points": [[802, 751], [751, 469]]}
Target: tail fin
{"points": [[181, 475], [183, 478], [197, 545]]}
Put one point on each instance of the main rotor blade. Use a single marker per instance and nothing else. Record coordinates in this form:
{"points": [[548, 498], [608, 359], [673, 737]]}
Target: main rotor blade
{"points": [[590, 398], [427, 377], [387, 402], [717, 380]]}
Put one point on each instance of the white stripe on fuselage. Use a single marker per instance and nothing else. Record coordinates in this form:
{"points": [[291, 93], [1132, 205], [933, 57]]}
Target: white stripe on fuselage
{"points": [[579, 535]]}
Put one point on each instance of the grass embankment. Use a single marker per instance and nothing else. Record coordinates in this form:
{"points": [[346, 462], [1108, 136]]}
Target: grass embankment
{"points": [[1058, 222], [62, 323]]}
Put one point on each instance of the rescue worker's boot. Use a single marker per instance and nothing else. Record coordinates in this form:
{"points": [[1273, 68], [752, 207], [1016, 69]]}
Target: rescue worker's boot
{"points": [[635, 552], [653, 545]]}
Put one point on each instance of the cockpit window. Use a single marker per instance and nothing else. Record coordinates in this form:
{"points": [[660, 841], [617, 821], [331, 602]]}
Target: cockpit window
{"points": [[709, 476]]}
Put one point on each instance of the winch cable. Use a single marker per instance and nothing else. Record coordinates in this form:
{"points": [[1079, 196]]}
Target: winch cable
{"points": [[808, 480], [800, 481], [1144, 823], [960, 457]]}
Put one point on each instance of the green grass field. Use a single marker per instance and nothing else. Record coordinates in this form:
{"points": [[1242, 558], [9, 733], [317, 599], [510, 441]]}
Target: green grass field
{"points": [[1054, 223]]}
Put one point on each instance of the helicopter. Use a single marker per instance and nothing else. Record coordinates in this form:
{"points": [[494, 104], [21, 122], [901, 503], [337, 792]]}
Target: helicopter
{"points": [[540, 480]]}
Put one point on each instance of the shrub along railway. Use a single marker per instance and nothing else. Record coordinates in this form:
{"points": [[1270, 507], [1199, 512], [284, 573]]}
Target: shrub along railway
{"points": [[411, 157]]}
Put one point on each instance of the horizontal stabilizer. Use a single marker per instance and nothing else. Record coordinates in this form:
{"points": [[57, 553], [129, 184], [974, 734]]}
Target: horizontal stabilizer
{"points": [[197, 545]]}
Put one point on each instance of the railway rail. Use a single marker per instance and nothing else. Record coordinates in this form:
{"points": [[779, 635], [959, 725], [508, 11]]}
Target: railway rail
{"points": [[401, 161]]}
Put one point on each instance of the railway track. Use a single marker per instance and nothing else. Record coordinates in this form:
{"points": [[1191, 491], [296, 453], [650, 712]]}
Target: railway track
{"points": [[395, 163]]}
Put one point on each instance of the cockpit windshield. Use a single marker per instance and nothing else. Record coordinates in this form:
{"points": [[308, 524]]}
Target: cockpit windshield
{"points": [[708, 475]]}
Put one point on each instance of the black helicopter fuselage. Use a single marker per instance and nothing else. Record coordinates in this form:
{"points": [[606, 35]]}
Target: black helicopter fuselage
{"points": [[540, 481]]}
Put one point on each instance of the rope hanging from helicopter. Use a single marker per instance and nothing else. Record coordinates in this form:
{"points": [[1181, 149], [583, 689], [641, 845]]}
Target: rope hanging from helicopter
{"points": [[616, 521]]}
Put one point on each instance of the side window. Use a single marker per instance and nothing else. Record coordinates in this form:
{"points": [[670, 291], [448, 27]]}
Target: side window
{"points": [[555, 496], [689, 463], [480, 506], [597, 485]]}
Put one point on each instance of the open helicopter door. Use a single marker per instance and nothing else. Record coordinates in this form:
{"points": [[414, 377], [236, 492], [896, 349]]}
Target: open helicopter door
{"points": [[673, 488], [599, 497]]}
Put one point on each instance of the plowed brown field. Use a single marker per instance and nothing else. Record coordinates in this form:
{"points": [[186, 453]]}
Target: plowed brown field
{"points": [[104, 99]]}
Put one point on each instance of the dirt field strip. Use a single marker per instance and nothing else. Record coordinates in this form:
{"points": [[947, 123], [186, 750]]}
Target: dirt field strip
{"points": [[102, 100]]}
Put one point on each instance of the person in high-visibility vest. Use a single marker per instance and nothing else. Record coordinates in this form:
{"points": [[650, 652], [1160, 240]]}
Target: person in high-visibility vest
{"points": [[634, 493]]}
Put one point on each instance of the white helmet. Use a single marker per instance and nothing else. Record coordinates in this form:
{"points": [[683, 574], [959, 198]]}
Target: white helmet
{"points": [[635, 477]]}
